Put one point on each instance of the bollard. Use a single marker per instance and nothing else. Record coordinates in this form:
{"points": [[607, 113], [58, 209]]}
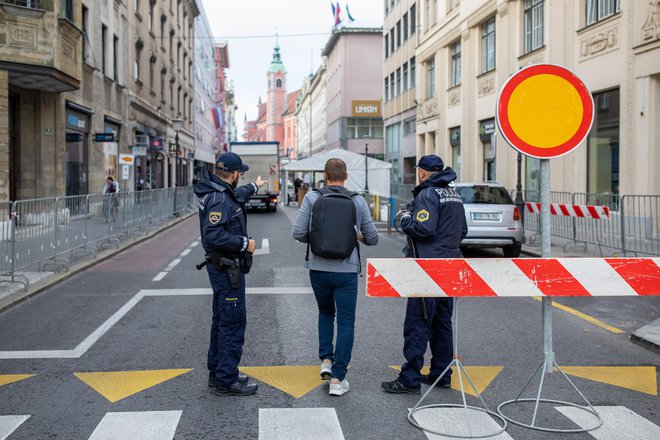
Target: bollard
{"points": [[389, 219]]}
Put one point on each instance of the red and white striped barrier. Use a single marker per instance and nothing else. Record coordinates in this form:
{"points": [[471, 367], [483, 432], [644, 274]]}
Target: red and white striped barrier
{"points": [[581, 211], [481, 277]]}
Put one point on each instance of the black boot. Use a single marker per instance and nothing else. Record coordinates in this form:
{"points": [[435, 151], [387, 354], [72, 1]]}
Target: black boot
{"points": [[445, 382], [242, 378], [397, 387], [237, 389]]}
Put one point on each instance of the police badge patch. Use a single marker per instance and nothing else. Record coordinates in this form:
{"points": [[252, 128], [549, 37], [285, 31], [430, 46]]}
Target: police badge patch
{"points": [[215, 217], [422, 215]]}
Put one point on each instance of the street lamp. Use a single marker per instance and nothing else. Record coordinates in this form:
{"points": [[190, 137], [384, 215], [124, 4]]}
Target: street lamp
{"points": [[366, 163], [176, 124]]}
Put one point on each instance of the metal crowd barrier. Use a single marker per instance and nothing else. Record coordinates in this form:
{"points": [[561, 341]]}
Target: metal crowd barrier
{"points": [[632, 229], [52, 233]]}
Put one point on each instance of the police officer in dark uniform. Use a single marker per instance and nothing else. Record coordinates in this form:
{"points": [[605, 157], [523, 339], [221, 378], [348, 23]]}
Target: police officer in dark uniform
{"points": [[229, 249], [435, 225]]}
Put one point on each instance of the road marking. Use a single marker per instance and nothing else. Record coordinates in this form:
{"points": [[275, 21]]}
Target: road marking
{"points": [[152, 425], [584, 316], [159, 277], [11, 378], [619, 423], [194, 244], [118, 385], [481, 376], [186, 252], [278, 290], [295, 380], [173, 264], [452, 420], [265, 248], [303, 423], [107, 325], [642, 379], [9, 424]]}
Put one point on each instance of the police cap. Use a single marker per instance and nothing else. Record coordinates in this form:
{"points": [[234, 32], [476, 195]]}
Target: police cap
{"points": [[231, 162], [430, 162]]}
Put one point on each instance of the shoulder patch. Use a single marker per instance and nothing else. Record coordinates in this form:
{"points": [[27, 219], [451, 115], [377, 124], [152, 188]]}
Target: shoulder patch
{"points": [[215, 217], [422, 215]]}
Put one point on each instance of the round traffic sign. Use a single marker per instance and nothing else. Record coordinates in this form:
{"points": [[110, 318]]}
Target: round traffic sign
{"points": [[545, 111]]}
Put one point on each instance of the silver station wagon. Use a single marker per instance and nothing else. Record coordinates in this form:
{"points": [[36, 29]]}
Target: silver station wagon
{"points": [[492, 218]]}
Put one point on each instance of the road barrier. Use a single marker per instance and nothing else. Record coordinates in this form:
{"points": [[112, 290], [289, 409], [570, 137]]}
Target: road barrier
{"points": [[51, 233], [581, 211]]}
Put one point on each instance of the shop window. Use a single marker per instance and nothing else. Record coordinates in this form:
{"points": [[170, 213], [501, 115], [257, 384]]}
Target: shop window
{"points": [[603, 145]]}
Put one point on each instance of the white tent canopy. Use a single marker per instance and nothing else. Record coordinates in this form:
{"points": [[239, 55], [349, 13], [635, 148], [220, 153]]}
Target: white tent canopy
{"points": [[379, 171]]}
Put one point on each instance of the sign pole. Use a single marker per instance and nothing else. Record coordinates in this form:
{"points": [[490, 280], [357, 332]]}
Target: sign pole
{"points": [[546, 252]]}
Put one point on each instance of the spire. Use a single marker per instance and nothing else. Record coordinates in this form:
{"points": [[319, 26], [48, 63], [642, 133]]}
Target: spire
{"points": [[276, 65]]}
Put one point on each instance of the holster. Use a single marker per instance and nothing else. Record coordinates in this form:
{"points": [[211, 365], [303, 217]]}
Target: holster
{"points": [[230, 265]]}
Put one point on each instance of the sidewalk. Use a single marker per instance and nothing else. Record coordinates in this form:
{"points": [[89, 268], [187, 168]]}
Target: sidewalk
{"points": [[13, 293]]}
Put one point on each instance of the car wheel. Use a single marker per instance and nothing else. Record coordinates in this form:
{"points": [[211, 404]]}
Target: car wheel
{"points": [[512, 251]]}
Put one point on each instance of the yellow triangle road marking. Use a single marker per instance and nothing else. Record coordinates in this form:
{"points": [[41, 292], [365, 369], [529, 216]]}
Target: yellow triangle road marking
{"points": [[481, 376], [117, 385], [293, 380], [642, 379], [10, 378]]}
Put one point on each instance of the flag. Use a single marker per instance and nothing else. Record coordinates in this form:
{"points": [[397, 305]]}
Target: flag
{"points": [[337, 10], [216, 117], [350, 17]]}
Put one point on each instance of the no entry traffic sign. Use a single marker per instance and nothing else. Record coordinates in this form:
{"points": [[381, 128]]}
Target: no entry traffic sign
{"points": [[545, 111]]}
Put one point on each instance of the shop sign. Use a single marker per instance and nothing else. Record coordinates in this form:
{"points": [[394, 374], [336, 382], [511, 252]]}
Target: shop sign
{"points": [[139, 151], [156, 143], [104, 137], [125, 170], [73, 137], [486, 130], [455, 136], [76, 122], [126, 159], [369, 109]]}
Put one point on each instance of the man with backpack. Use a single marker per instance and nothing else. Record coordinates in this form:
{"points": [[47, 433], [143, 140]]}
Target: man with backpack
{"points": [[331, 221]]}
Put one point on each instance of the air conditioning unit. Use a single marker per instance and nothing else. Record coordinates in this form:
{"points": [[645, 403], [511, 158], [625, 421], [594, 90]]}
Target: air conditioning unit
{"points": [[141, 141]]}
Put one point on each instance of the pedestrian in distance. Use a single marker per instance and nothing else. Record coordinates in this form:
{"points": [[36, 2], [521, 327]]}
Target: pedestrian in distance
{"points": [[111, 200], [435, 225], [229, 249], [332, 221]]}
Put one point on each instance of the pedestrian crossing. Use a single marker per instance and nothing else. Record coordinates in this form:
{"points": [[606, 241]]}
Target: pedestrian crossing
{"points": [[619, 423]]}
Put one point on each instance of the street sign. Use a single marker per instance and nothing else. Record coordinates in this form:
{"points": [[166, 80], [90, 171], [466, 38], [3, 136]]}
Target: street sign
{"points": [[156, 143], [139, 151], [545, 111], [104, 137], [126, 159], [125, 169]]}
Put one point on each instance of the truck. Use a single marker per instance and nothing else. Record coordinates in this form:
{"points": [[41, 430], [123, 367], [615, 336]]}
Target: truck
{"points": [[263, 158]]}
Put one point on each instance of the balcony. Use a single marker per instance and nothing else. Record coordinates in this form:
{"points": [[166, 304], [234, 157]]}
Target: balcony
{"points": [[40, 49]]}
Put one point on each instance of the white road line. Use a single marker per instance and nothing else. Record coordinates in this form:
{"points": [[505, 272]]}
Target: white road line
{"points": [[265, 248], [193, 244], [8, 424], [147, 425], [173, 264], [159, 277], [90, 340], [303, 423], [619, 423], [185, 252], [452, 420]]}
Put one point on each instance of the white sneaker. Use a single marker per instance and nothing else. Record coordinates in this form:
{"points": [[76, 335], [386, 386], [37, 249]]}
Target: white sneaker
{"points": [[326, 370], [337, 389]]}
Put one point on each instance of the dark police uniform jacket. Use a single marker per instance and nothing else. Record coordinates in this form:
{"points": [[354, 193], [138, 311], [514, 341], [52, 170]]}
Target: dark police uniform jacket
{"points": [[437, 225], [222, 218]]}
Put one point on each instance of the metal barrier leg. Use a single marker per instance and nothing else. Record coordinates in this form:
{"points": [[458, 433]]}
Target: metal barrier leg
{"points": [[460, 370], [14, 278]]}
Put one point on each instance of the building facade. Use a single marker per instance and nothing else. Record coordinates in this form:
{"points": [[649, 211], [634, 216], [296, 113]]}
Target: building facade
{"points": [[41, 59], [204, 86], [353, 89], [468, 49], [311, 115], [399, 92], [289, 121], [160, 89]]}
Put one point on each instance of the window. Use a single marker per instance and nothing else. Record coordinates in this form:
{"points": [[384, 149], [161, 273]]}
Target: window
{"points": [[387, 46], [488, 46], [136, 67], [405, 26], [598, 10], [413, 78], [85, 19], [409, 127], [172, 44], [104, 49], [455, 76], [455, 143], [115, 57], [137, 6], [451, 4], [603, 144], [163, 74], [151, 16], [392, 35], [392, 85], [152, 64], [533, 24], [278, 83], [163, 19], [172, 93], [427, 22], [413, 19], [387, 89], [358, 128], [398, 33], [398, 82], [404, 80], [66, 8], [430, 78]]}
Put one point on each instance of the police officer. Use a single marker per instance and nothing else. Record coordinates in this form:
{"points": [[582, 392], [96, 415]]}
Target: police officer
{"points": [[435, 226], [228, 248]]}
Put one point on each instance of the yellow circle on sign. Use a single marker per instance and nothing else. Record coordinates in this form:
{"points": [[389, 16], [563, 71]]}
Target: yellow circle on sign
{"points": [[545, 111]]}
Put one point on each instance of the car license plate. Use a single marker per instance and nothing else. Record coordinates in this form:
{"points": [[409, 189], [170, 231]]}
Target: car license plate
{"points": [[485, 216]]}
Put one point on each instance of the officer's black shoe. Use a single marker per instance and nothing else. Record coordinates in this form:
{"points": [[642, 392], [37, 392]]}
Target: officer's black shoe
{"points": [[396, 387], [429, 380], [242, 378], [237, 389]]}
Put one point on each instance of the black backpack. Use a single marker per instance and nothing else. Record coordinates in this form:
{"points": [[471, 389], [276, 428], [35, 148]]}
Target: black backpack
{"points": [[332, 231]]}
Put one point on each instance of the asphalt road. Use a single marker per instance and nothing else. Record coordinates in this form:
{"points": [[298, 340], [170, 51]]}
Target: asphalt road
{"points": [[143, 310]]}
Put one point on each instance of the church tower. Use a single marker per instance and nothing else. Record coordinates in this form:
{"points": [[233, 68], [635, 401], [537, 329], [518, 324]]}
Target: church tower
{"points": [[276, 102]]}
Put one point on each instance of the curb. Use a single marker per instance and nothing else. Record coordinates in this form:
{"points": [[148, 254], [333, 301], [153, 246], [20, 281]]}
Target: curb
{"points": [[24, 295], [648, 336]]}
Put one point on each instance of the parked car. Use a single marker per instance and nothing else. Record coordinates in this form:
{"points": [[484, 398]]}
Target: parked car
{"points": [[492, 218]]}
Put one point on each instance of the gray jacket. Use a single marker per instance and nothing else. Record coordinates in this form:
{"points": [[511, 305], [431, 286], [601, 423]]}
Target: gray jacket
{"points": [[364, 222]]}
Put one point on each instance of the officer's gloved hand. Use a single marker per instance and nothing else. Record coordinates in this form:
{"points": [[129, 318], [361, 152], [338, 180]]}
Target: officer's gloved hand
{"points": [[251, 246]]}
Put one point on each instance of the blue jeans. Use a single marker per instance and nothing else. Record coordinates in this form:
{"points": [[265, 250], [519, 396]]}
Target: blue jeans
{"points": [[335, 292]]}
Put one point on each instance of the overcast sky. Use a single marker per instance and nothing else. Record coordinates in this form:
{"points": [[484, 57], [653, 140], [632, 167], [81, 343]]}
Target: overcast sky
{"points": [[249, 58]]}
